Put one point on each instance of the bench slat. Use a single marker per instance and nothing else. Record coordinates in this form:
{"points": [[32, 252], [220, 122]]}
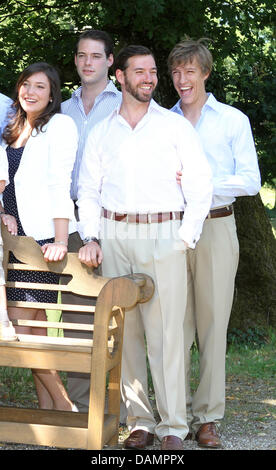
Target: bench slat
{"points": [[37, 285], [45, 341], [59, 325], [52, 306], [52, 324]]}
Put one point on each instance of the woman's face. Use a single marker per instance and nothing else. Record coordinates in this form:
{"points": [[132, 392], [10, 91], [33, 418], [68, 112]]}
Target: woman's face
{"points": [[34, 94]]}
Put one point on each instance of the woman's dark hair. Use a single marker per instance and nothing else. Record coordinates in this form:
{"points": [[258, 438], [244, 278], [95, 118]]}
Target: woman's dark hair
{"points": [[14, 127]]}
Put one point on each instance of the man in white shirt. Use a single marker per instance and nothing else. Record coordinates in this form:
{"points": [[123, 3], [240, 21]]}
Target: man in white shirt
{"points": [[90, 103], [128, 197], [5, 108], [227, 140]]}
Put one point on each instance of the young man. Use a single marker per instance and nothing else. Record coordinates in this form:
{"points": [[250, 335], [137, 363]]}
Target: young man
{"points": [[90, 103], [128, 197], [226, 137], [97, 96], [5, 108]]}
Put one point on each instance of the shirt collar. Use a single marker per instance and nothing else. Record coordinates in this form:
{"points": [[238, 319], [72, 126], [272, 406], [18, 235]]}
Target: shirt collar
{"points": [[210, 103], [110, 88], [153, 106]]}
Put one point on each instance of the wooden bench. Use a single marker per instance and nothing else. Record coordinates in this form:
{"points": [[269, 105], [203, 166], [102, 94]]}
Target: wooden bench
{"points": [[100, 356]]}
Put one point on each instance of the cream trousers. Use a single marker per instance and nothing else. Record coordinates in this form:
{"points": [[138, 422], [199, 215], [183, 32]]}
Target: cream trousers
{"points": [[156, 250], [212, 268]]}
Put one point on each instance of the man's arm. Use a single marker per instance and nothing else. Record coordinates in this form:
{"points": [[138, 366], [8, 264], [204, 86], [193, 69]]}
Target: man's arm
{"points": [[89, 203], [246, 179], [196, 183]]}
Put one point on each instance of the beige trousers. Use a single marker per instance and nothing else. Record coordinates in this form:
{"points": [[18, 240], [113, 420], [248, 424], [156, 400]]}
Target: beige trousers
{"points": [[153, 249], [212, 268]]}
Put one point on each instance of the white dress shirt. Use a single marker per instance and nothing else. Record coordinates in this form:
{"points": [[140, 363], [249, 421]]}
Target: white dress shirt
{"points": [[4, 166], [104, 104], [226, 137], [133, 171], [5, 108]]}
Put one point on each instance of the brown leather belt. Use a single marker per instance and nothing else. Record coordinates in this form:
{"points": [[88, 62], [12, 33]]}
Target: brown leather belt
{"points": [[142, 218], [161, 216], [220, 212]]}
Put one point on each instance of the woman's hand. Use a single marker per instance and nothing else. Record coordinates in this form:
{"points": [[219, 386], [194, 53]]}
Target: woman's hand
{"points": [[54, 251], [10, 222]]}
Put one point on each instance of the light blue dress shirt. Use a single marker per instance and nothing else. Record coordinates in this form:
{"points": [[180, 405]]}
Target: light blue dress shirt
{"points": [[104, 104], [5, 107], [227, 140]]}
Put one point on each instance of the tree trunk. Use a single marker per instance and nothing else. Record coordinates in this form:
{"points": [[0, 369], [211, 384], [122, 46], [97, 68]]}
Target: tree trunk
{"points": [[254, 303]]}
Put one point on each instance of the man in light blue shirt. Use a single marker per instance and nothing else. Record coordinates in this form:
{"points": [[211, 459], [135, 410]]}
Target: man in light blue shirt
{"points": [[97, 96], [5, 107], [94, 100], [226, 137]]}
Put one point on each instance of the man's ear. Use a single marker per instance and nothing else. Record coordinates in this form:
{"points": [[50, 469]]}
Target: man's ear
{"points": [[206, 76], [119, 76], [110, 60]]}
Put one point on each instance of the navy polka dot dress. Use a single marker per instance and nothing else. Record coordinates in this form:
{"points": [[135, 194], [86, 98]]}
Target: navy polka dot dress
{"points": [[31, 295]]}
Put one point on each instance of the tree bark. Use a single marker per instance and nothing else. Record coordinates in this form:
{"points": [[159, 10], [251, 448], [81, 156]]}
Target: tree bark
{"points": [[254, 303]]}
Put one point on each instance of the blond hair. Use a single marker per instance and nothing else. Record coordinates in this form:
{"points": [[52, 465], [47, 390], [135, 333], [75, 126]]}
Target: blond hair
{"points": [[186, 50]]}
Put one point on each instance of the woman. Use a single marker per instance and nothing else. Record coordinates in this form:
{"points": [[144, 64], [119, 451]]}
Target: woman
{"points": [[41, 148]]}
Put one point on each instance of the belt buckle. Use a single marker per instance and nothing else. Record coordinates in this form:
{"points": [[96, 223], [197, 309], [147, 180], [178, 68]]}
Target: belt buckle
{"points": [[149, 218]]}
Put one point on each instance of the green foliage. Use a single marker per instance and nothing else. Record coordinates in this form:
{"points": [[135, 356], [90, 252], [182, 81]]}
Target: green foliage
{"points": [[253, 355], [252, 338], [241, 34]]}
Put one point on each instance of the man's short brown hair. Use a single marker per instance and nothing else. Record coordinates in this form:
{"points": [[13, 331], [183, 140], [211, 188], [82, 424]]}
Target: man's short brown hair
{"points": [[186, 50]]}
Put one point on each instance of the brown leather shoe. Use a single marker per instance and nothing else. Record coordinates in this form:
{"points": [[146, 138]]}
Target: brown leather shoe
{"points": [[171, 443], [139, 439], [207, 436]]}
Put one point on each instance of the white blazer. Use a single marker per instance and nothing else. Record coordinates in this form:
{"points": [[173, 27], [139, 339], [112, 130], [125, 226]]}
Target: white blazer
{"points": [[43, 179]]}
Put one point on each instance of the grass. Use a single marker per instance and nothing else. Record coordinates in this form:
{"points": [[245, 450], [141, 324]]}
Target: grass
{"points": [[256, 359], [256, 362]]}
